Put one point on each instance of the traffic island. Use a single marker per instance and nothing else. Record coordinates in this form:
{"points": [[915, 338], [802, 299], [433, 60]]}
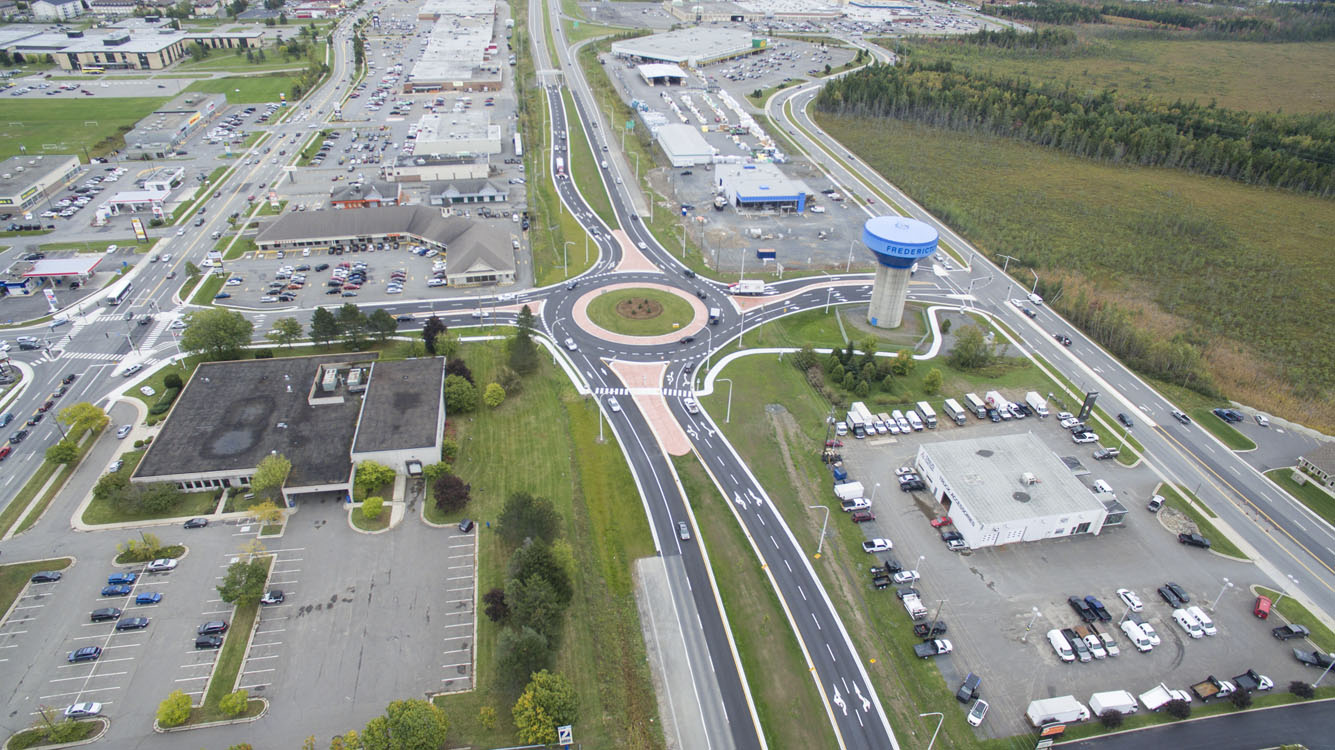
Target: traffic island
{"points": [[63, 733], [640, 311]]}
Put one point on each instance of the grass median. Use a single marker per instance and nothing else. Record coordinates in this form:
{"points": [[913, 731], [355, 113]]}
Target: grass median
{"points": [[1294, 611], [1174, 498], [228, 667], [14, 577], [62, 473], [1316, 499], [640, 311], [1221, 429], [15, 510], [584, 166]]}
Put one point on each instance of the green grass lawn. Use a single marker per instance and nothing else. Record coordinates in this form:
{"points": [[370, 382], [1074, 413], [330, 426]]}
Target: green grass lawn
{"points": [[14, 576], [36, 737], [233, 654], [88, 247], [1173, 498], [248, 89], [551, 433], [228, 61], [1107, 228], [19, 504], [584, 167], [789, 707], [173, 551], [1294, 611], [360, 520], [68, 126], [211, 286], [1226, 432], [1318, 500], [190, 504], [673, 311], [1292, 77]]}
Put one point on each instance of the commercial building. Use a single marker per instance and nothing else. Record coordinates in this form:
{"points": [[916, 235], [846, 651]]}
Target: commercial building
{"points": [[371, 194], [693, 47], [56, 10], [475, 252], [29, 277], [711, 12], [162, 131], [322, 413], [760, 187], [665, 74], [468, 191], [461, 52], [1319, 464], [456, 134], [420, 168], [1003, 489], [684, 145], [26, 181]]}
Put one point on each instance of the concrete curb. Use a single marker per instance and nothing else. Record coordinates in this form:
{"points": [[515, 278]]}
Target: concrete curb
{"points": [[353, 506], [106, 727], [225, 722], [184, 555], [1189, 721]]}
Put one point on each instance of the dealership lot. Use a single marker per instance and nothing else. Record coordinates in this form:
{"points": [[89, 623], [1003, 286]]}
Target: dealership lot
{"points": [[988, 596]]}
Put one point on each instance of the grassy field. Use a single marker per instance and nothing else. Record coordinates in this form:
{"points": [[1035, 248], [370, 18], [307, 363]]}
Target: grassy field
{"points": [[69, 126], [1226, 432], [675, 313], [787, 702], [584, 166], [552, 433], [1120, 232], [1294, 611], [1173, 498], [14, 577], [228, 61], [1318, 500], [1293, 78], [248, 89]]}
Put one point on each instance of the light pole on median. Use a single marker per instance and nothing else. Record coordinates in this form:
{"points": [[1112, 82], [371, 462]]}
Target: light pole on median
{"points": [[710, 350], [849, 265], [727, 418], [828, 291], [824, 523]]}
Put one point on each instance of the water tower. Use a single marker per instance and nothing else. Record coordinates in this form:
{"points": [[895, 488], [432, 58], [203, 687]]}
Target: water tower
{"points": [[898, 243]]}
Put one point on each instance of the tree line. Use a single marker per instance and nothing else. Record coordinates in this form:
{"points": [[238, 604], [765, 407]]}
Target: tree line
{"points": [[1296, 22], [1294, 152], [1012, 39]]}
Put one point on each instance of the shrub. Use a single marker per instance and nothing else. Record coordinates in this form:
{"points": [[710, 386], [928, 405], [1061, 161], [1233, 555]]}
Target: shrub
{"points": [[493, 396], [451, 493], [460, 395], [174, 709], [527, 517], [1301, 689], [372, 507], [234, 703], [1178, 709], [496, 610], [486, 717], [1242, 699], [548, 702], [172, 380], [1111, 719]]}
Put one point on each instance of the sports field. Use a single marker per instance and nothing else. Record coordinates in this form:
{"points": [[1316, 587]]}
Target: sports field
{"points": [[68, 126]]}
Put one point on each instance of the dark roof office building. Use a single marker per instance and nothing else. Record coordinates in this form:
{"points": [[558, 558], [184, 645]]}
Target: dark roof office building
{"points": [[231, 415]]}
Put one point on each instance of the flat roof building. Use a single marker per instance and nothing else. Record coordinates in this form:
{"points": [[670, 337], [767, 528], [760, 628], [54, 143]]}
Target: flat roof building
{"points": [[1003, 489], [27, 180], [684, 145], [661, 73], [366, 195], [711, 11], [475, 252], [312, 410], [760, 187], [693, 47], [460, 52], [457, 134], [162, 131]]}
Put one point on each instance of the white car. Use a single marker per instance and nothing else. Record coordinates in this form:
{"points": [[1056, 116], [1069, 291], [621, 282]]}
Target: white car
{"points": [[180, 232], [177, 324], [1068, 422], [481, 314], [904, 471], [691, 405], [161, 564], [81, 710], [1137, 636], [436, 282], [166, 257], [132, 369], [1095, 646], [235, 282], [1188, 623], [906, 576], [879, 544], [1130, 599], [570, 344], [612, 404], [1109, 644], [860, 503], [147, 390], [1084, 437], [306, 253], [1203, 619], [206, 263], [1150, 633]]}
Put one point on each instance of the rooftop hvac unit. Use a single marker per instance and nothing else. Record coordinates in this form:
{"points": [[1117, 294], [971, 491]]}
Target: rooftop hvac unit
{"points": [[1028, 478]]}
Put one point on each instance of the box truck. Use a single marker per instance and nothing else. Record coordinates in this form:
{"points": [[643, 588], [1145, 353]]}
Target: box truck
{"points": [[856, 424], [955, 411], [927, 414], [1037, 403], [1161, 695], [976, 405], [848, 490], [913, 605], [1114, 700], [748, 286], [1061, 709]]}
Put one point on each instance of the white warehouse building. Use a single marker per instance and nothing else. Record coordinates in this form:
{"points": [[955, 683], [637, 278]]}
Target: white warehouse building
{"points": [[1005, 489], [684, 145]]}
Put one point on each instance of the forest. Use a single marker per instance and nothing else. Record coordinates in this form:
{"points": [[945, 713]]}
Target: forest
{"points": [[1293, 152], [1292, 22]]}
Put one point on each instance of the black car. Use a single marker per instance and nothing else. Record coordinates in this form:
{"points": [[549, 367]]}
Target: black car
{"points": [[46, 576], [404, 319], [1194, 540], [1173, 594], [132, 623], [688, 273], [34, 419], [208, 641], [87, 653], [466, 525], [1125, 420], [1062, 338], [686, 340], [322, 267], [213, 627], [17, 437], [6, 419], [1099, 610], [1082, 608], [196, 523], [333, 290], [994, 415], [906, 591], [1314, 658], [950, 535]]}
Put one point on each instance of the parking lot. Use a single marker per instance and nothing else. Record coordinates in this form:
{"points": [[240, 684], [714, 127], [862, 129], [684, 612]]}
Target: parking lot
{"points": [[988, 597]]}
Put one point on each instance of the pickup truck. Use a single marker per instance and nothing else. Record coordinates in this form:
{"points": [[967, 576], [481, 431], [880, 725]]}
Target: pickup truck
{"points": [[1285, 632], [1314, 658], [932, 648], [929, 630], [1210, 688], [1250, 680]]}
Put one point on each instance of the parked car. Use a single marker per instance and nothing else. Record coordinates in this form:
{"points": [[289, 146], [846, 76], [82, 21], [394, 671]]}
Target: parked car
{"points": [[196, 523], [212, 627], [117, 590], [968, 689], [1174, 594], [148, 597], [1136, 636], [1203, 620], [83, 710], [1099, 609], [1150, 633], [1292, 630], [977, 713], [862, 516], [104, 614], [1194, 540], [208, 641], [1060, 645], [1130, 599], [1103, 454], [132, 623], [161, 565], [1188, 623], [126, 577], [906, 576], [46, 576], [929, 630], [87, 653], [1154, 504], [272, 596], [879, 544], [1078, 644]]}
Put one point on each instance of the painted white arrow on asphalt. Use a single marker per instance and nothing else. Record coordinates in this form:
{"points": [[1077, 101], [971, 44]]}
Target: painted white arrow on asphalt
{"points": [[738, 499], [866, 704], [839, 701]]}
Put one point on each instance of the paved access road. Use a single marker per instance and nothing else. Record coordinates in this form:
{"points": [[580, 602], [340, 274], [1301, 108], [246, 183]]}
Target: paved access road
{"points": [[1311, 724]]}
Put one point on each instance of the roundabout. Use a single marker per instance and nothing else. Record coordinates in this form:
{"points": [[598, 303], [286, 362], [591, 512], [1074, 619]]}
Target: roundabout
{"points": [[640, 313]]}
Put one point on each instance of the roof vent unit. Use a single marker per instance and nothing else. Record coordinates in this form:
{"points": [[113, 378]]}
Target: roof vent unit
{"points": [[1028, 478]]}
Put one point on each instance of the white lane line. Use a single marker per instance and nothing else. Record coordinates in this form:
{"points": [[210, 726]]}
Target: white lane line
{"points": [[803, 593], [832, 656], [813, 619], [191, 679]]}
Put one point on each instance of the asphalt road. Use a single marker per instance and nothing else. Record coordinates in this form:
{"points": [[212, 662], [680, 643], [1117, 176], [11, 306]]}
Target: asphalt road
{"points": [[1311, 724]]}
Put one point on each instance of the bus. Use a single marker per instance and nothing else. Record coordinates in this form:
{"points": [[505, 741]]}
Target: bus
{"points": [[118, 292], [94, 70]]}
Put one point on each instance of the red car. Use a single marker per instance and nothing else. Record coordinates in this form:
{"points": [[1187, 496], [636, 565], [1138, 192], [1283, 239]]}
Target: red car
{"points": [[942, 521], [862, 516], [834, 443]]}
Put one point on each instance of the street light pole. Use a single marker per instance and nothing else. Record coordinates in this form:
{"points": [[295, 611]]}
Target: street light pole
{"points": [[873, 491], [918, 568], [728, 416], [824, 523], [565, 256], [1227, 585], [1035, 289], [940, 717], [849, 265], [710, 350], [1025, 638]]}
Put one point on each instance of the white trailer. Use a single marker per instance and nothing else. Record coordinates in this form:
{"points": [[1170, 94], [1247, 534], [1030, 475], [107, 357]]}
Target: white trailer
{"points": [[928, 415], [1113, 700], [748, 286], [955, 411], [976, 405], [1063, 708], [863, 411], [1161, 695], [848, 490], [1037, 403]]}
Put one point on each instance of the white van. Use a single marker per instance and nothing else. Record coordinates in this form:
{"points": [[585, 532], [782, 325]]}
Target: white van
{"points": [[1060, 645], [1102, 486]]}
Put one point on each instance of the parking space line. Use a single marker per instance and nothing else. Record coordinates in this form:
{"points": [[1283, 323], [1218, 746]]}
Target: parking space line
{"points": [[460, 567], [30, 606], [77, 692], [257, 645], [460, 578], [255, 687], [87, 676], [460, 625], [191, 679], [14, 632], [450, 666], [266, 632], [266, 656], [257, 671]]}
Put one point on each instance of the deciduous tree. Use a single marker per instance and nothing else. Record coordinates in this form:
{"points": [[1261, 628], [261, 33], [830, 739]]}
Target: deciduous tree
{"points": [[174, 709], [460, 395], [431, 329], [324, 326], [234, 703], [285, 331], [411, 724], [524, 516], [451, 493], [217, 333], [371, 476], [244, 582], [549, 701], [519, 653], [382, 324], [372, 507], [270, 475]]}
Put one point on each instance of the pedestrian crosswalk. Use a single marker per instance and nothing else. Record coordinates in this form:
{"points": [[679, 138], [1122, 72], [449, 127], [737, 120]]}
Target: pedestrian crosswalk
{"points": [[53, 354], [670, 392]]}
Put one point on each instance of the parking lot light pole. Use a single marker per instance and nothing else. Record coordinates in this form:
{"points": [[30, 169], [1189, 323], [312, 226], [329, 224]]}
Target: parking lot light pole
{"points": [[918, 568], [728, 416], [1125, 615], [873, 491], [565, 256], [823, 524], [1317, 684], [940, 717], [1227, 585], [1025, 638]]}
